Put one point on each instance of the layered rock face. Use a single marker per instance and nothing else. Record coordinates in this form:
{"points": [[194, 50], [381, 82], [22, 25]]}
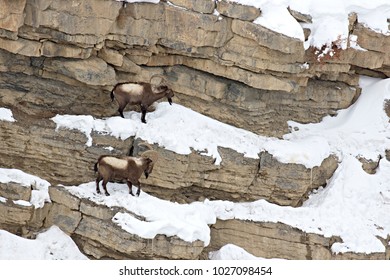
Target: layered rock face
{"points": [[222, 67], [64, 57], [186, 178]]}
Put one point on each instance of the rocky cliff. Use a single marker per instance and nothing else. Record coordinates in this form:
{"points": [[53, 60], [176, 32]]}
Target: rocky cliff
{"points": [[64, 57]]}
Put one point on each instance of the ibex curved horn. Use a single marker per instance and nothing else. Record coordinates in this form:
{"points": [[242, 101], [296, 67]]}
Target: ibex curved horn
{"points": [[147, 145], [164, 80]]}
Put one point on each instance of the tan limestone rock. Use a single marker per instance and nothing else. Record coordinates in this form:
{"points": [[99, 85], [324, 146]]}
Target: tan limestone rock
{"points": [[14, 63], [129, 66], [145, 24], [93, 71], [54, 59], [255, 80], [200, 6], [73, 17], [21, 46], [111, 56], [15, 191], [300, 17], [52, 49], [39, 217], [269, 240], [192, 177], [277, 240], [289, 184], [369, 165], [98, 211], [371, 40], [63, 217], [238, 11], [267, 37], [44, 97], [61, 196], [12, 14], [198, 30], [15, 214]]}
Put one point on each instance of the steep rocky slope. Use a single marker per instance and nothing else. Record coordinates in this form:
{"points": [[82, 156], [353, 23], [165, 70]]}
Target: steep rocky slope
{"points": [[61, 57]]}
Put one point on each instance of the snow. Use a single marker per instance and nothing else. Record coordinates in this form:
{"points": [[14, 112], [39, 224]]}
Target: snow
{"points": [[194, 131], [6, 115], [40, 187], [22, 202], [310, 150], [361, 130], [285, 22], [52, 244], [232, 252]]}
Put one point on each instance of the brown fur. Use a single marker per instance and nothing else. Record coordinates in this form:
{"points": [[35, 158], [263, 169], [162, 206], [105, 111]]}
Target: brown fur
{"points": [[132, 172], [145, 98]]}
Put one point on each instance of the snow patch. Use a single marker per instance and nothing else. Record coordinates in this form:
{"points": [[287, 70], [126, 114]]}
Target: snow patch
{"points": [[6, 115], [277, 18], [232, 252], [52, 244]]}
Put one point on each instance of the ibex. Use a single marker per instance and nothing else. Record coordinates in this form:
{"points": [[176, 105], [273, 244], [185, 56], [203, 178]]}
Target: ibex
{"points": [[125, 167], [143, 94]]}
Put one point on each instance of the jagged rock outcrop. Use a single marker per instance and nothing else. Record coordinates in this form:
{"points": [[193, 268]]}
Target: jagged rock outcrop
{"points": [[17, 215], [194, 177], [237, 11], [61, 57]]}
